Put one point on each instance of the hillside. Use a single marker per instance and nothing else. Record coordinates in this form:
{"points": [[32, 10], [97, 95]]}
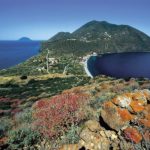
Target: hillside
{"points": [[100, 37], [53, 111]]}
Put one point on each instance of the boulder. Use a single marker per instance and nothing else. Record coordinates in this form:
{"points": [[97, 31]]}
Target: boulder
{"points": [[93, 140], [93, 125], [115, 117]]}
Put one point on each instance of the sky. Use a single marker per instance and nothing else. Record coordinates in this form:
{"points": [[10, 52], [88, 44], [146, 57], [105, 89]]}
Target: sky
{"points": [[41, 19]]}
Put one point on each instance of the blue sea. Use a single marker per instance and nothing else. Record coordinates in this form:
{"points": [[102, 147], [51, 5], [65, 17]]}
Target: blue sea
{"points": [[15, 52], [121, 65]]}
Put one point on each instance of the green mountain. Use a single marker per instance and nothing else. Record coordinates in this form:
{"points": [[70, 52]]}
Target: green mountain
{"points": [[100, 37], [60, 35]]}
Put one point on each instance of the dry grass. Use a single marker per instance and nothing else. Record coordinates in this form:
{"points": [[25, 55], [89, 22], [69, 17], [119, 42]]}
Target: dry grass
{"points": [[17, 80]]}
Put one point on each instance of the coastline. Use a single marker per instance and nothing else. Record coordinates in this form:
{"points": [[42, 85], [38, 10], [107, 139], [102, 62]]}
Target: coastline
{"points": [[86, 68], [85, 63]]}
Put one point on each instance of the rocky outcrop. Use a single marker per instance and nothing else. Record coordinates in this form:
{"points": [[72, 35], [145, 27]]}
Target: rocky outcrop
{"points": [[124, 124], [115, 117]]}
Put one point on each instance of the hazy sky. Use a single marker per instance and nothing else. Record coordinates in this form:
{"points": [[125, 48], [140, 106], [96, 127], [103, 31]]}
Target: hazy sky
{"points": [[41, 19]]}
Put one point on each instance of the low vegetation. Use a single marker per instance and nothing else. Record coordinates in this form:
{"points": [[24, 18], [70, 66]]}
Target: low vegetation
{"points": [[30, 110], [36, 66], [53, 117]]}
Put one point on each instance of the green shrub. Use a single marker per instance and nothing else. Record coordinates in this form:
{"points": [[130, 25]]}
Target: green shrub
{"points": [[5, 125], [97, 102], [23, 137], [72, 135], [24, 117]]}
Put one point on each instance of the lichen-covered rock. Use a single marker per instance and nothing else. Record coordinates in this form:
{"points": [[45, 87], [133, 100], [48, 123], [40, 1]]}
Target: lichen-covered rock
{"points": [[93, 140], [124, 123], [115, 117], [137, 106], [122, 101], [146, 112], [134, 102], [145, 122], [128, 108], [93, 125], [133, 135], [70, 147], [87, 135]]}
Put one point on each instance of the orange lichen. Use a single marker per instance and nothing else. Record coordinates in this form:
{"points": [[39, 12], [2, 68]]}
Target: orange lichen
{"points": [[115, 101], [132, 134], [108, 105], [139, 96], [145, 122], [124, 114], [118, 99], [137, 106], [128, 95], [147, 112]]}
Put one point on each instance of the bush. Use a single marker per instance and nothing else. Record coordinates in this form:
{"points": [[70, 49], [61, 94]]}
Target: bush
{"points": [[72, 135], [23, 137], [97, 102], [5, 125], [24, 117], [23, 77], [53, 117]]}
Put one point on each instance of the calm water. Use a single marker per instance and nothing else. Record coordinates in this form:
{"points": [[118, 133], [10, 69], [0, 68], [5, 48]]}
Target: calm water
{"points": [[15, 52], [121, 65]]}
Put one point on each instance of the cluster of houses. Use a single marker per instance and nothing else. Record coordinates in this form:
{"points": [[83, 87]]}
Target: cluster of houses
{"points": [[85, 58], [51, 62]]}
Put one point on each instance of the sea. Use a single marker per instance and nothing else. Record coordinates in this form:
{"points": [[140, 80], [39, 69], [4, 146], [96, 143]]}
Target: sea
{"points": [[120, 65], [15, 52]]}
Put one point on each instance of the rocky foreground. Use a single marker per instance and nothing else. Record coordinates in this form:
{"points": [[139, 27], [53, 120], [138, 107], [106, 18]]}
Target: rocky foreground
{"points": [[74, 113], [124, 123]]}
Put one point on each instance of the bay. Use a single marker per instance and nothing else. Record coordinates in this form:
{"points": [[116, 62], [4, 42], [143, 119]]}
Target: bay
{"points": [[120, 65]]}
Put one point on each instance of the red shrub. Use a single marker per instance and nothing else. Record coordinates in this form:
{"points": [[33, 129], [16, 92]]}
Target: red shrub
{"points": [[53, 116]]}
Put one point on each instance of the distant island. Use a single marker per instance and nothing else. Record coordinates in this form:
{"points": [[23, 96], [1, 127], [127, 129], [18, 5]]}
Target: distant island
{"points": [[25, 39]]}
